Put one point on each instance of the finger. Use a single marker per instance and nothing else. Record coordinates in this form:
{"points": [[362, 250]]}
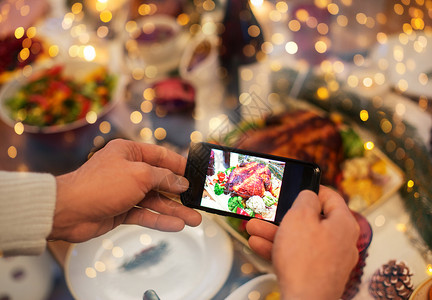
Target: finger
{"points": [[162, 157], [165, 206], [145, 217], [261, 229], [261, 246], [165, 180]]}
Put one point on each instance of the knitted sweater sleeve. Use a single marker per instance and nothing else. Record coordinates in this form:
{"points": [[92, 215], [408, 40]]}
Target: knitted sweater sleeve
{"points": [[27, 203]]}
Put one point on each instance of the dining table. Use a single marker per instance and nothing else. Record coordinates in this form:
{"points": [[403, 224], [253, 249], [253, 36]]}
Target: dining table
{"points": [[260, 89]]}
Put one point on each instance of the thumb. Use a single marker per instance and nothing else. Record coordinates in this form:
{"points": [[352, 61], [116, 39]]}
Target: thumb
{"points": [[305, 208], [307, 200]]}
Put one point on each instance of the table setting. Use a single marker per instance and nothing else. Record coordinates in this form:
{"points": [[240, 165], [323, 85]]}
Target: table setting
{"points": [[341, 84]]}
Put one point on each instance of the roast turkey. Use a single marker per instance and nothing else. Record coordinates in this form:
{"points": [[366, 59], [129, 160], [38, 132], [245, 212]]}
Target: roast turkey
{"points": [[249, 179]]}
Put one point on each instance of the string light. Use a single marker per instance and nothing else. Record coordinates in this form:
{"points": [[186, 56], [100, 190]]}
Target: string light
{"points": [[429, 269], [323, 93], [369, 145], [364, 115], [291, 47], [89, 53]]}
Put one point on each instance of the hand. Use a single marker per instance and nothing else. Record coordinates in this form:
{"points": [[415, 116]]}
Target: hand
{"points": [[312, 254], [121, 184]]}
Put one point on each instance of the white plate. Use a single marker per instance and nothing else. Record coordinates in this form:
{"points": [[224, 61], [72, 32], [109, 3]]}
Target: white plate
{"points": [[407, 60], [257, 288], [195, 266]]}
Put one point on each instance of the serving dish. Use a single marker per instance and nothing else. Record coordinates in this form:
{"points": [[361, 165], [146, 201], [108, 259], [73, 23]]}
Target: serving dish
{"points": [[59, 86]]}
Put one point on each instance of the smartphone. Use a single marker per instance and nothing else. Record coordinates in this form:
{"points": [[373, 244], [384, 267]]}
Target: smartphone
{"points": [[244, 184]]}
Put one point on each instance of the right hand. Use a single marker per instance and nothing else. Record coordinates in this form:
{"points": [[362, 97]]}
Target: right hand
{"points": [[313, 254]]}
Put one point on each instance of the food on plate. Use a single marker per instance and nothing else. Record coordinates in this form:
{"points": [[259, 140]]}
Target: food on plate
{"points": [[353, 145], [174, 95], [301, 135], [51, 98], [363, 180]]}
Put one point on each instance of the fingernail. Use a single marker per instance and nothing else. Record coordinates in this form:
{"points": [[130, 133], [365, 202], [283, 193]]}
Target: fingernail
{"points": [[183, 183]]}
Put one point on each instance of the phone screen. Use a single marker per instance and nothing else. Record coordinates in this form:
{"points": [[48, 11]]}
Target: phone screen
{"points": [[243, 184], [246, 184]]}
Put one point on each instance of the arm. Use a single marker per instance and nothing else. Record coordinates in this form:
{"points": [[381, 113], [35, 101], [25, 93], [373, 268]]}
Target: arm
{"points": [[27, 203], [309, 248]]}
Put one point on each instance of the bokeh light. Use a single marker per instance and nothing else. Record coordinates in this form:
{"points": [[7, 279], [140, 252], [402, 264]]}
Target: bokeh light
{"points": [[369, 145], [19, 128], [364, 115], [136, 117], [90, 272], [91, 117], [160, 133], [12, 152]]}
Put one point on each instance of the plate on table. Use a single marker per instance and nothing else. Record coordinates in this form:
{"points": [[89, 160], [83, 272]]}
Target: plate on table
{"points": [[191, 264], [264, 287]]}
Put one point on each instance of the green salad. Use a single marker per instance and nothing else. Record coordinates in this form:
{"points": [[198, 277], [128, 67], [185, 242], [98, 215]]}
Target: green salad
{"points": [[50, 98]]}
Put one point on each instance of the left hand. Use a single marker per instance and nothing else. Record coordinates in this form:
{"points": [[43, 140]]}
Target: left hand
{"points": [[105, 192]]}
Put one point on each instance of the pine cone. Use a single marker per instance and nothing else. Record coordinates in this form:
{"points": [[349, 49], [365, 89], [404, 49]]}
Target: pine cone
{"points": [[391, 281]]}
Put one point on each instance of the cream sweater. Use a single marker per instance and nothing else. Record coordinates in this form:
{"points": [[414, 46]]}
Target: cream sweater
{"points": [[27, 203]]}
